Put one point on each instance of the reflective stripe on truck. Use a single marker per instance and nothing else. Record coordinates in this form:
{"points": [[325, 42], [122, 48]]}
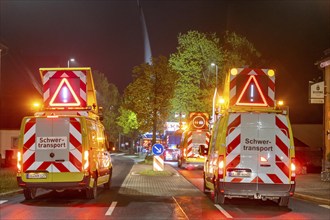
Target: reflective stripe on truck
{"points": [[32, 144], [264, 154]]}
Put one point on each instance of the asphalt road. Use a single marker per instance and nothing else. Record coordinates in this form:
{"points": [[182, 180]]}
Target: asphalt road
{"points": [[257, 209], [190, 203]]}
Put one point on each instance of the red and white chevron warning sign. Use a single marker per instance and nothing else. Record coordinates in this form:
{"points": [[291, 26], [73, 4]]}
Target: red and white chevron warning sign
{"points": [[277, 146], [252, 87], [31, 151], [158, 163], [64, 88]]}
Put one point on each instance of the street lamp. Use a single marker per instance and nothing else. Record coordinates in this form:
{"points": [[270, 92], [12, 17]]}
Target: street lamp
{"points": [[72, 60], [181, 115], [215, 91], [216, 74]]}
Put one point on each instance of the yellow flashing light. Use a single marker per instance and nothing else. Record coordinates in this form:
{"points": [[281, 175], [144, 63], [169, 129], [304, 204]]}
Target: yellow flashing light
{"points": [[233, 71], [221, 100], [36, 104], [270, 73]]}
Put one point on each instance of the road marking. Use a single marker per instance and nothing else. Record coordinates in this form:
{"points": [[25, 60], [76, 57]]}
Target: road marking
{"points": [[325, 206], [111, 208], [223, 211], [3, 201], [180, 207]]}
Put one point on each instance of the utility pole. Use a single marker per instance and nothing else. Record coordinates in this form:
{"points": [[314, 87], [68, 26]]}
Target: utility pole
{"points": [[324, 64]]}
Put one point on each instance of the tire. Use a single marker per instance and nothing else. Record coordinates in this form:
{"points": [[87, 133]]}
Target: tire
{"points": [[30, 194], [205, 188], [283, 201], [180, 162], [219, 198], [91, 193], [107, 185]]}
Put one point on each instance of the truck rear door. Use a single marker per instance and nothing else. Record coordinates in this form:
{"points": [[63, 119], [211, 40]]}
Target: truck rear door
{"points": [[56, 149], [258, 149]]}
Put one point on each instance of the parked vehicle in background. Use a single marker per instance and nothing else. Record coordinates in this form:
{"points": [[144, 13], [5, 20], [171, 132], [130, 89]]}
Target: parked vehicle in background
{"points": [[193, 138]]}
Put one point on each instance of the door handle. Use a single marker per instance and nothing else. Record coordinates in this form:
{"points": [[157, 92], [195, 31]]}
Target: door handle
{"points": [[265, 165]]}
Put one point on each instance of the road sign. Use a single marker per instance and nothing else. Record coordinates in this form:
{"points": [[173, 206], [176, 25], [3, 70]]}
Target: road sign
{"points": [[316, 92], [157, 149]]}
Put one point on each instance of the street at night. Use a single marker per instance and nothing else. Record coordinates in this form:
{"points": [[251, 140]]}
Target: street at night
{"points": [[164, 109]]}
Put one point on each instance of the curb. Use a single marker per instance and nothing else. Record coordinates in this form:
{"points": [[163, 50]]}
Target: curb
{"points": [[312, 198], [11, 192]]}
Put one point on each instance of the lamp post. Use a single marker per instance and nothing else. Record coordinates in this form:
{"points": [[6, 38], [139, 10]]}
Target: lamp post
{"points": [[72, 60], [215, 91], [180, 115]]}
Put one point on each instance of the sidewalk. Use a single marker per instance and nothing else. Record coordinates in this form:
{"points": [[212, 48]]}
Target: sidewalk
{"points": [[308, 187]]}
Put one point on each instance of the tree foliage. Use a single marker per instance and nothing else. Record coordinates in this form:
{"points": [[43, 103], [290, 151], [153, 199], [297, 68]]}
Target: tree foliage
{"points": [[108, 98], [195, 52], [127, 120], [192, 61], [149, 95], [239, 52]]}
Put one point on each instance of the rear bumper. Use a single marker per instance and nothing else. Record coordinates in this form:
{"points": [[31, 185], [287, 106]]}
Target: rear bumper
{"points": [[83, 184], [255, 190]]}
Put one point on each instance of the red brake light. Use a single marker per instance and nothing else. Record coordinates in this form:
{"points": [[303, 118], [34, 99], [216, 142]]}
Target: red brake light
{"points": [[293, 169], [221, 166]]}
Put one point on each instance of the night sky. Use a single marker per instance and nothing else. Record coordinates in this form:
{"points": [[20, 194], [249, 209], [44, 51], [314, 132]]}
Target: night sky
{"points": [[107, 36]]}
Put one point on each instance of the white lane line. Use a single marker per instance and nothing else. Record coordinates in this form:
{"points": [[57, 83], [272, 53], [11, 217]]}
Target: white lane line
{"points": [[111, 208], [223, 211], [325, 206], [3, 201], [180, 208]]}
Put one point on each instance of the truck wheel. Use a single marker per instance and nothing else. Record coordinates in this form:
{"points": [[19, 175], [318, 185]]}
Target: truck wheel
{"points": [[107, 185], [205, 188], [283, 201], [91, 193], [180, 162], [30, 194], [219, 198]]}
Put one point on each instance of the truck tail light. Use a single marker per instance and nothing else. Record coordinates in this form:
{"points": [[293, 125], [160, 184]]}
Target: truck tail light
{"points": [[221, 166], [86, 160], [293, 169], [19, 160]]}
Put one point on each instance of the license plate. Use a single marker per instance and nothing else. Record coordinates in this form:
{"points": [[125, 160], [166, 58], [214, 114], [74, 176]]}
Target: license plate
{"points": [[169, 158], [239, 174], [36, 175]]}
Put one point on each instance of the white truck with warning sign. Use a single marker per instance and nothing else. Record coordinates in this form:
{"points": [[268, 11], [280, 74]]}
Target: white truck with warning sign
{"points": [[64, 146], [195, 137], [251, 152]]}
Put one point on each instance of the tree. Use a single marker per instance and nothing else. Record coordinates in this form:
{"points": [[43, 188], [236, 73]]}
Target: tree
{"points": [[108, 98], [195, 52], [127, 120], [149, 95], [239, 52], [192, 61]]}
